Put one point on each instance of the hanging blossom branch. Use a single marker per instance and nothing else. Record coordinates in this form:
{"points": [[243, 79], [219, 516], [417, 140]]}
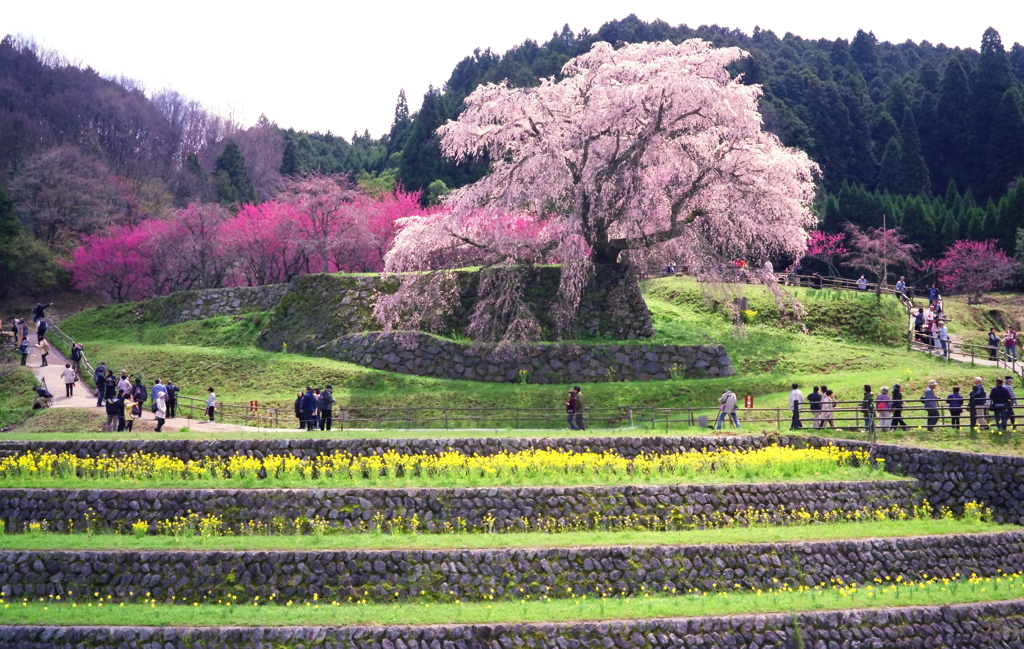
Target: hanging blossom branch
{"points": [[632, 151]]}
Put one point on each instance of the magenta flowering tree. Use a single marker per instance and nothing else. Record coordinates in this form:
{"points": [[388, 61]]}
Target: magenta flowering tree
{"points": [[875, 250], [633, 151], [112, 264], [974, 268], [827, 248]]}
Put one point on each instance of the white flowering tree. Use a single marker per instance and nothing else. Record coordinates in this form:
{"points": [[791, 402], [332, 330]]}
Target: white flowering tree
{"points": [[647, 150]]}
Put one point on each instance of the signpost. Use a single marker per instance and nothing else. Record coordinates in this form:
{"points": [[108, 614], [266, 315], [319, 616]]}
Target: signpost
{"points": [[748, 401]]}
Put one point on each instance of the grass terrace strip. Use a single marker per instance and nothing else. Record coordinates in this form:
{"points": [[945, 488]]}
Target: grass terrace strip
{"points": [[408, 541], [86, 610], [450, 469]]}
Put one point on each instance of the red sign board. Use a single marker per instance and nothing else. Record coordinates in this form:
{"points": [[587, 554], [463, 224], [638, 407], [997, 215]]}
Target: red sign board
{"points": [[748, 401], [254, 406]]}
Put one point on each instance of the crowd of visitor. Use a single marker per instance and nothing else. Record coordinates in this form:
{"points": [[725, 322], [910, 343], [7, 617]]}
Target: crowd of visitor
{"points": [[314, 408]]}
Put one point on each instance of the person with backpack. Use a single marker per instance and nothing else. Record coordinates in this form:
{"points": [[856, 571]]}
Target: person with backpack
{"points": [[570, 410], [867, 407], [325, 404], [76, 360], [41, 331], [99, 378], [955, 404], [23, 348], [115, 413], [172, 399], [69, 377], [727, 409]]}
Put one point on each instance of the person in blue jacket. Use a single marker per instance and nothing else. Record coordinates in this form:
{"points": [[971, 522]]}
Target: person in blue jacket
{"points": [[308, 407]]}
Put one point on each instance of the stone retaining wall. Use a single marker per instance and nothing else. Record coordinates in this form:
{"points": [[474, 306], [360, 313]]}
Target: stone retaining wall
{"points": [[197, 305], [964, 626], [507, 506], [475, 575], [545, 364]]}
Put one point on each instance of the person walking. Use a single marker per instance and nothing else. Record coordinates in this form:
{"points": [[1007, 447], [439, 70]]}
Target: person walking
{"points": [[570, 410], [944, 338], [326, 406], [1010, 343], [99, 378], [867, 407], [172, 399], [955, 404], [76, 360], [23, 348], [41, 331], [298, 412], [896, 403], [796, 397], [933, 294], [999, 403], [158, 388], [727, 409], [901, 286], [828, 407], [931, 405], [814, 398], [160, 410], [993, 344], [976, 402], [211, 403], [580, 424], [69, 377], [882, 407]]}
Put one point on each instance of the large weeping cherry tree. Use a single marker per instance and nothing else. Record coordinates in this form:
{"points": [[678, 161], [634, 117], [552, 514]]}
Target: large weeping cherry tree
{"points": [[652, 150]]}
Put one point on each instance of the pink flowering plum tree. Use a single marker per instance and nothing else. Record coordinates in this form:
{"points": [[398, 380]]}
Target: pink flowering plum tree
{"points": [[974, 268], [827, 248], [875, 250], [635, 150]]}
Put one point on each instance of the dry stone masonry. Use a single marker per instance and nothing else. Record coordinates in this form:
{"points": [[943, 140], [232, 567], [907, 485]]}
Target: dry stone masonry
{"points": [[474, 575], [966, 626], [197, 305]]}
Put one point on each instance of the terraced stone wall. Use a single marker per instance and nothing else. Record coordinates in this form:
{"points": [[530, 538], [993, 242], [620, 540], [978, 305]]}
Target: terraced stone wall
{"points": [[965, 626], [503, 508], [474, 575], [197, 305]]}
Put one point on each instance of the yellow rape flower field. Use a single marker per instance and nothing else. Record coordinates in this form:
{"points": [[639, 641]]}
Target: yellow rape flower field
{"points": [[450, 469]]}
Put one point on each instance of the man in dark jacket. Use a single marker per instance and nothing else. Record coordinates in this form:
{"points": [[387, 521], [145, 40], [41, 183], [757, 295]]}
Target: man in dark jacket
{"points": [[100, 379], [325, 404], [999, 402], [110, 388], [308, 407], [955, 402], [976, 402], [298, 412], [580, 424], [172, 399]]}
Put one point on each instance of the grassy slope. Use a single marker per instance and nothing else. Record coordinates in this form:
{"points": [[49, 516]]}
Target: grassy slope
{"points": [[971, 322], [768, 355], [16, 394], [592, 538]]}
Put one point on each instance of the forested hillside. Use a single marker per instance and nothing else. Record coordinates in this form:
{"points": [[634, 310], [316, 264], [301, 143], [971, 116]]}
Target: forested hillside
{"points": [[930, 136]]}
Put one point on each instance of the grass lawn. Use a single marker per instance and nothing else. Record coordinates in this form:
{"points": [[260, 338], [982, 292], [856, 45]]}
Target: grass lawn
{"points": [[51, 541], [91, 611], [16, 383]]}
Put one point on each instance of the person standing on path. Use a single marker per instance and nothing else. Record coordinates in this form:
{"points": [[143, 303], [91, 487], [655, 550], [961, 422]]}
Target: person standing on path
{"points": [[828, 407], [931, 404], [76, 360], [901, 286], [99, 378], [315, 422], [727, 409], [1010, 414], [1010, 343], [125, 382], [976, 402], [158, 388], [326, 406], [796, 397], [580, 424], [69, 377], [882, 403], [41, 331], [993, 344], [999, 402], [955, 403], [23, 348], [896, 402], [298, 412], [132, 411], [211, 404], [918, 324], [814, 398], [113, 416], [944, 338], [570, 410], [867, 406], [161, 410], [140, 393], [172, 399]]}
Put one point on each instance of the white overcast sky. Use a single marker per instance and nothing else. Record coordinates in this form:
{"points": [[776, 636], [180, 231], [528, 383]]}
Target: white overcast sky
{"points": [[339, 65]]}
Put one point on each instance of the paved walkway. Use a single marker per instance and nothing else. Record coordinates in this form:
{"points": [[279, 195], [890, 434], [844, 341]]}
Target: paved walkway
{"points": [[84, 395]]}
